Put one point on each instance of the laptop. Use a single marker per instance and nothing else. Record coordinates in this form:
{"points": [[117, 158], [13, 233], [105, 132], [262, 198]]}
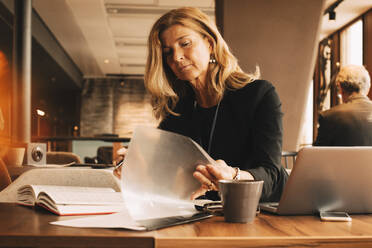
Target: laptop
{"points": [[327, 179]]}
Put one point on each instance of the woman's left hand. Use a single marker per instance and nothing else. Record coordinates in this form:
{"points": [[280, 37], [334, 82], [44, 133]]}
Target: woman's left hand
{"points": [[208, 175], [119, 158]]}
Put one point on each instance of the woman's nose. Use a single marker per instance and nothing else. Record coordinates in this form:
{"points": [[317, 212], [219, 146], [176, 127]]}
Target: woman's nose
{"points": [[178, 56]]}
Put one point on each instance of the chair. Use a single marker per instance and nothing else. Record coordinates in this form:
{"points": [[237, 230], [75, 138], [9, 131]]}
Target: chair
{"points": [[104, 156], [286, 154], [62, 158]]}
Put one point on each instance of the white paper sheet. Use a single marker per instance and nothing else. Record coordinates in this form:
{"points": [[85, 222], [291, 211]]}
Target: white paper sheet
{"points": [[117, 220], [157, 180], [157, 174]]}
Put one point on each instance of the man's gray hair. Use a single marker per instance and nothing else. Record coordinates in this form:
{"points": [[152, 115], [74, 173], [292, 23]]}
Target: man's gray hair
{"points": [[354, 78]]}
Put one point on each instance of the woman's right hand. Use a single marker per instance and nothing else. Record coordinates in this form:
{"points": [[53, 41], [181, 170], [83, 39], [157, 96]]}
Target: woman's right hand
{"points": [[119, 158]]}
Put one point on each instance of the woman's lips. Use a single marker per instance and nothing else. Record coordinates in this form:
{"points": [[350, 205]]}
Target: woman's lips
{"points": [[184, 67]]}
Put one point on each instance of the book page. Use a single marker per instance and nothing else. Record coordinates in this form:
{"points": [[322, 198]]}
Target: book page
{"points": [[27, 194], [88, 197], [80, 177], [52, 194], [59, 188]]}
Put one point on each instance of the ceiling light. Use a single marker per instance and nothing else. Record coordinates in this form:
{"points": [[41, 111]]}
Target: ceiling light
{"points": [[112, 10], [332, 15], [40, 112], [331, 10]]}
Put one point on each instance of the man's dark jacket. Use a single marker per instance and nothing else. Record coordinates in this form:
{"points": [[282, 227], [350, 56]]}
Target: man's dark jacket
{"points": [[348, 124]]}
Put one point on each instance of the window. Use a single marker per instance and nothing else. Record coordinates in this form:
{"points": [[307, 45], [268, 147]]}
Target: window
{"points": [[351, 44]]}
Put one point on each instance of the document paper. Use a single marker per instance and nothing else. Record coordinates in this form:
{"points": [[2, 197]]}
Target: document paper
{"points": [[157, 179]]}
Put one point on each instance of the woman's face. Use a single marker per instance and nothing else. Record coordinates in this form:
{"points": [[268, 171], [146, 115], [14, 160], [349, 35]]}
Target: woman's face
{"points": [[187, 53]]}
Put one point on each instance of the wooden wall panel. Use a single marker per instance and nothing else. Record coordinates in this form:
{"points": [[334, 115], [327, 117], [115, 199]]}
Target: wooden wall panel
{"points": [[5, 77], [52, 89], [335, 67], [367, 43]]}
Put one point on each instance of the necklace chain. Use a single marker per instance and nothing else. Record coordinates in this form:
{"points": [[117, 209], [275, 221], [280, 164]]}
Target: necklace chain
{"points": [[213, 127]]}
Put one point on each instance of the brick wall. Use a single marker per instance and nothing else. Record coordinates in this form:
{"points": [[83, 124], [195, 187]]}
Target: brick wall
{"points": [[114, 106]]}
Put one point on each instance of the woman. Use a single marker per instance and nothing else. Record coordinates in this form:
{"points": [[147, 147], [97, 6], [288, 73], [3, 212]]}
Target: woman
{"points": [[198, 90]]}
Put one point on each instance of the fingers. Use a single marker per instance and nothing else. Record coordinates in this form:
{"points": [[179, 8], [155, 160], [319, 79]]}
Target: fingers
{"points": [[117, 172], [209, 175], [120, 155], [203, 170], [215, 171], [206, 183], [197, 193], [122, 151], [221, 170], [221, 162]]}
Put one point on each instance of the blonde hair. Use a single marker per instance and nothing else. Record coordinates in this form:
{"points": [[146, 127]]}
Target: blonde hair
{"points": [[354, 78], [160, 81]]}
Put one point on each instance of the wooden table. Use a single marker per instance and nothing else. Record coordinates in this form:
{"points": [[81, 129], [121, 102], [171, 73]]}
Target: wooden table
{"points": [[270, 231], [26, 227]]}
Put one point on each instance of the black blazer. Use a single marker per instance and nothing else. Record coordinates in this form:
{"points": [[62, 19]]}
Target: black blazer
{"points": [[348, 124], [248, 132]]}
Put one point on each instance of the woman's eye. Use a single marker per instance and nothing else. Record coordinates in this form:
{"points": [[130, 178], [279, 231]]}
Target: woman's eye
{"points": [[185, 43]]}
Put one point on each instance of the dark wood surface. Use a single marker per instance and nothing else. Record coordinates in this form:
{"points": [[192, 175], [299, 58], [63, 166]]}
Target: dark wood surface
{"points": [[269, 231], [28, 227], [69, 138]]}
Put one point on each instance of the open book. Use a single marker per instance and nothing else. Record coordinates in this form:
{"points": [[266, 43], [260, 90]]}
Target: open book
{"points": [[71, 200]]}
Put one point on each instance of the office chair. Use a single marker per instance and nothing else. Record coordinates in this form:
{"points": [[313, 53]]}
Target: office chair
{"points": [[104, 156], [62, 158], [286, 154]]}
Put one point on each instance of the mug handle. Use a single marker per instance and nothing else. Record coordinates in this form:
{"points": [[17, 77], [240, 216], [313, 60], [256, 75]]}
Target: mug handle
{"points": [[216, 208]]}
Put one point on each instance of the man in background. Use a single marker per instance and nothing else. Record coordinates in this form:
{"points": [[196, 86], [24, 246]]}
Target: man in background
{"points": [[350, 123]]}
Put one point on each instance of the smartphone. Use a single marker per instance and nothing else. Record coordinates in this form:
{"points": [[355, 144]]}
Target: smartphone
{"points": [[334, 216]]}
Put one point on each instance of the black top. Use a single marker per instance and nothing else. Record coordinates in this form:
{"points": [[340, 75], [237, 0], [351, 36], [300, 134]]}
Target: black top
{"points": [[205, 116], [248, 132]]}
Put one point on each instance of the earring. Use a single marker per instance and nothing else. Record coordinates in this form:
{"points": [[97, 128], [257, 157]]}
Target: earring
{"points": [[212, 60]]}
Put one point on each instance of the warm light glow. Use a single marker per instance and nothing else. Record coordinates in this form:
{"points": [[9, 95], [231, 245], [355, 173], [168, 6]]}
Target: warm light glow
{"points": [[4, 66], [76, 128], [106, 61], [40, 112], [352, 44]]}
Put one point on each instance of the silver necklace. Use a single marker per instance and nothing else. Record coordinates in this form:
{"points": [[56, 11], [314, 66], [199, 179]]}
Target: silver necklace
{"points": [[211, 134]]}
